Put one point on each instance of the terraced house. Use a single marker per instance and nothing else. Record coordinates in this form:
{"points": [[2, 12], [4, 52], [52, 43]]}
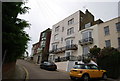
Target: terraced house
{"points": [[40, 50], [109, 33], [71, 37]]}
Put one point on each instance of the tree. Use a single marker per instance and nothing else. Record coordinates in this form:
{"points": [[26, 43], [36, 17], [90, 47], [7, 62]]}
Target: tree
{"points": [[95, 51], [109, 60], [14, 37]]}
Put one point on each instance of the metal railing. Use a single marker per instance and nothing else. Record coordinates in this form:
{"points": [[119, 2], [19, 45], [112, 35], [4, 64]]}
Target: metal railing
{"points": [[71, 47], [73, 58], [62, 49], [86, 41]]}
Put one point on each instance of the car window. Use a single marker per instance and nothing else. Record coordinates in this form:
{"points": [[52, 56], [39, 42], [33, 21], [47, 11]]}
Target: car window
{"points": [[87, 67], [45, 63], [49, 63], [93, 67], [79, 67]]}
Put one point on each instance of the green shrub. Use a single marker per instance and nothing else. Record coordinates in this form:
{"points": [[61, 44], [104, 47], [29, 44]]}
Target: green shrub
{"points": [[110, 61]]}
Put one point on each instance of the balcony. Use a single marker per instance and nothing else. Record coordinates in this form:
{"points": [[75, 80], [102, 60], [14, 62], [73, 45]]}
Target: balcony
{"points": [[71, 47], [86, 41], [63, 49], [73, 58], [58, 50]]}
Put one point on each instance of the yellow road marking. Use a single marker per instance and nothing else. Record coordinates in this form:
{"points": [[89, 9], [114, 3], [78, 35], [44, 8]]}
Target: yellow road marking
{"points": [[27, 73]]}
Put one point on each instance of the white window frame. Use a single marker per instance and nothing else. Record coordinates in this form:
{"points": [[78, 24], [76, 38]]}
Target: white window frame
{"points": [[84, 50], [87, 25], [87, 32], [106, 30], [70, 31], [57, 28], [56, 37], [69, 42], [107, 43]]}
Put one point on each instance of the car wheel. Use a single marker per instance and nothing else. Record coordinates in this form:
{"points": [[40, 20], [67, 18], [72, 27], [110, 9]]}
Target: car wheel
{"points": [[85, 77], [104, 76], [72, 78]]}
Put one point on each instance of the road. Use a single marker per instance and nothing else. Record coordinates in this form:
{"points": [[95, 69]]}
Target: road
{"points": [[34, 72]]}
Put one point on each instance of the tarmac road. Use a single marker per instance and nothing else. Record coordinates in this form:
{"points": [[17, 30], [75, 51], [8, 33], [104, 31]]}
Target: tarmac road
{"points": [[34, 73]]}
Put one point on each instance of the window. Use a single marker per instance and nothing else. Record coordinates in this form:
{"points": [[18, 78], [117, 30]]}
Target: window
{"points": [[43, 38], [87, 25], [85, 50], [80, 66], [62, 29], [108, 44], [70, 31], [43, 34], [57, 29], [119, 42], [86, 34], [81, 18], [69, 42], [118, 26], [56, 37], [54, 46], [106, 30], [42, 43], [61, 39], [71, 21], [93, 67]]}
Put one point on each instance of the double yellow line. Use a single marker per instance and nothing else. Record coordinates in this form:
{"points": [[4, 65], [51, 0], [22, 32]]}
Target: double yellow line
{"points": [[27, 73]]}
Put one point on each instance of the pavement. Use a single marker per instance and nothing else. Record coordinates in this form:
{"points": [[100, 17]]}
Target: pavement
{"points": [[19, 74]]}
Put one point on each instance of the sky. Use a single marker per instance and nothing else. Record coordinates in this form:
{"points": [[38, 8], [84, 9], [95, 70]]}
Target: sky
{"points": [[45, 13]]}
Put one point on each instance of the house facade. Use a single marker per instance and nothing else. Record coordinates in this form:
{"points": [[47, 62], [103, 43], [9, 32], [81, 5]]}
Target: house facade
{"points": [[40, 50], [109, 33], [35, 52], [72, 37], [44, 44]]}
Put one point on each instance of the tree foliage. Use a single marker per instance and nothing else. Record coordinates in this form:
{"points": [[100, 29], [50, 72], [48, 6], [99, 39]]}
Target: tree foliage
{"points": [[109, 60], [14, 37], [108, 51], [95, 51]]}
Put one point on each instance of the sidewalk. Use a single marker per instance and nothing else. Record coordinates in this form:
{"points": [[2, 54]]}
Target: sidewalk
{"points": [[18, 74]]}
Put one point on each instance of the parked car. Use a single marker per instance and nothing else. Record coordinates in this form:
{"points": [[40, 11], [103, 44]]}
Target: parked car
{"points": [[86, 72], [48, 66]]}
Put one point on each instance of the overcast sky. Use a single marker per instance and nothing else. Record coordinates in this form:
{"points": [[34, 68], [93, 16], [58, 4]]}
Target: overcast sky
{"points": [[45, 13]]}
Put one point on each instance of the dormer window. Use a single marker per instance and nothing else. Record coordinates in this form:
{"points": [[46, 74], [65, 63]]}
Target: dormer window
{"points": [[87, 25]]}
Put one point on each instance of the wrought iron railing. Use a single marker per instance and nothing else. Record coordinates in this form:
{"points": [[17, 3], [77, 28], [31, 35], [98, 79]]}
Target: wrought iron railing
{"points": [[62, 49], [88, 40], [71, 47], [74, 58]]}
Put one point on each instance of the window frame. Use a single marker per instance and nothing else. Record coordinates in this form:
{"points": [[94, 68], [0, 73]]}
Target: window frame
{"points": [[118, 42], [55, 37], [70, 31], [57, 28], [118, 27], [106, 30], [107, 44], [71, 21]]}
